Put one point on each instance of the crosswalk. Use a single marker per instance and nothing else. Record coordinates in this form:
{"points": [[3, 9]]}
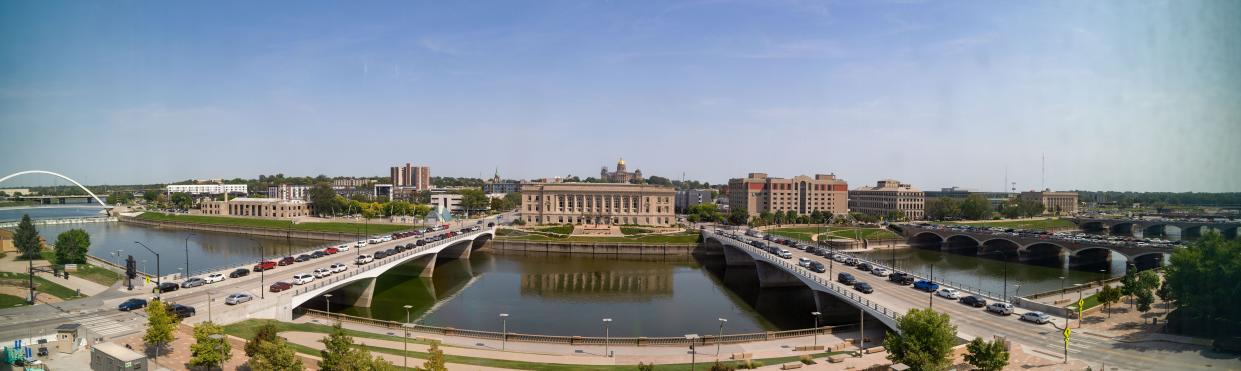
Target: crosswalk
{"points": [[110, 325]]}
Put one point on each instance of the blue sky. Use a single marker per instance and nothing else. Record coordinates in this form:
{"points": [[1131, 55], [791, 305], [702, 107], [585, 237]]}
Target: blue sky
{"points": [[1118, 95]]}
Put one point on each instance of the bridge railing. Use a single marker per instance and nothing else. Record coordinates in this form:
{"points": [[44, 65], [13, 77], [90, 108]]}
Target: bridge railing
{"points": [[584, 340], [317, 283], [806, 273]]}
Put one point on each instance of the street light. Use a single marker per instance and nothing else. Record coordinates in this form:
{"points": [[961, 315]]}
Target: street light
{"points": [[717, 339], [157, 272], [405, 339], [606, 337], [327, 298], [209, 300], [1062, 287], [262, 272], [693, 353], [816, 327], [187, 252], [503, 330], [1079, 304]]}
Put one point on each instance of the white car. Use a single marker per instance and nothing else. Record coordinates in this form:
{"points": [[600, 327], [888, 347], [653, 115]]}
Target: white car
{"points": [[360, 243], [1003, 309], [879, 271], [363, 259], [338, 267], [375, 240], [342, 247], [803, 262], [302, 279], [785, 254], [948, 293], [386, 238], [322, 272], [215, 277]]}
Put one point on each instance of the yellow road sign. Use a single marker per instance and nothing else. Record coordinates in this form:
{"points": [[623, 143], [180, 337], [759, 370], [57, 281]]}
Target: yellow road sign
{"points": [[1067, 331], [148, 279], [1081, 303]]}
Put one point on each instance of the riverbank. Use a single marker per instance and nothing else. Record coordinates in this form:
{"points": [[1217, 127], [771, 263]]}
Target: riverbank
{"points": [[275, 224], [248, 227]]}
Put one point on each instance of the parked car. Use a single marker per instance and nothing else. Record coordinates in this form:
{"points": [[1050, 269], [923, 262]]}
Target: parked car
{"points": [[302, 258], [288, 260], [784, 254], [864, 266], [948, 293], [863, 287], [420, 242], [817, 267], [1036, 317], [342, 248], [363, 259], [360, 243], [264, 265], [381, 254], [215, 277], [238, 298], [879, 271], [338, 267], [901, 278], [1231, 344], [845, 278], [167, 287], [302, 279], [193, 282], [132, 304], [925, 285], [239, 273], [280, 286], [1003, 309], [974, 301], [317, 254], [322, 272], [803, 262], [181, 311]]}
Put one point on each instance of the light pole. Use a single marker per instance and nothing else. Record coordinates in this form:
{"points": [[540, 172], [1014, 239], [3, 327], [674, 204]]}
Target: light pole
{"points": [[1079, 305], [263, 271], [607, 338], [1062, 287], [209, 300], [693, 353], [157, 272], [816, 327], [187, 252], [327, 298], [405, 339], [503, 330], [721, 336]]}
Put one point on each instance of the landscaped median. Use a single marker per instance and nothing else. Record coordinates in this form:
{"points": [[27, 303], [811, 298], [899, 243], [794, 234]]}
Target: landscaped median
{"points": [[297, 333], [41, 285], [336, 227]]}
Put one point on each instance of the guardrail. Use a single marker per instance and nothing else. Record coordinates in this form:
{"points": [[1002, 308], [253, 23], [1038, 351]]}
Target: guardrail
{"points": [[583, 340], [795, 269], [380, 262]]}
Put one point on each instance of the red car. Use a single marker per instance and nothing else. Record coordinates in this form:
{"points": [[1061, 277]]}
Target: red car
{"points": [[264, 265], [288, 260], [330, 250], [281, 286]]}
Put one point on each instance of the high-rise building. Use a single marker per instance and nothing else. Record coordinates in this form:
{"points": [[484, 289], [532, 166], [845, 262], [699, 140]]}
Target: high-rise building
{"points": [[688, 198], [886, 196], [802, 194], [597, 203], [418, 177], [1053, 202]]}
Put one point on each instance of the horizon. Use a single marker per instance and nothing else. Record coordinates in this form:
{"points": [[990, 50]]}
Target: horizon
{"points": [[1115, 96]]}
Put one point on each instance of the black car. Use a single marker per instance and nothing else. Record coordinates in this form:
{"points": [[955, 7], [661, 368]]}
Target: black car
{"points": [[845, 278], [181, 311], [317, 254], [863, 287], [817, 267], [381, 254], [864, 266], [901, 278], [421, 242], [239, 273], [974, 301], [167, 287], [302, 258], [132, 304], [391, 252]]}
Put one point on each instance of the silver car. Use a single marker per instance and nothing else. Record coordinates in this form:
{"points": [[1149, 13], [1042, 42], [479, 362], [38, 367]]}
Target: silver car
{"points": [[238, 298], [1036, 317]]}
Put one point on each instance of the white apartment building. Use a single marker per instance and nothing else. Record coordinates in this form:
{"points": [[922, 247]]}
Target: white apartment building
{"points": [[210, 189]]}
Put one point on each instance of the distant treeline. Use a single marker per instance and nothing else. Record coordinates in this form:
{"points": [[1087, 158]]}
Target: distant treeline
{"points": [[1163, 198]]}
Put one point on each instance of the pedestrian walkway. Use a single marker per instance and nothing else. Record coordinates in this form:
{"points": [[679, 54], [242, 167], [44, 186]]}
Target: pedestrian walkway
{"points": [[109, 325]]}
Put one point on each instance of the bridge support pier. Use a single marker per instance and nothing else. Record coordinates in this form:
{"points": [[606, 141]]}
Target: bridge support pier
{"points": [[460, 250], [1101, 258], [427, 262], [1155, 230], [734, 257], [772, 276], [368, 293], [834, 310]]}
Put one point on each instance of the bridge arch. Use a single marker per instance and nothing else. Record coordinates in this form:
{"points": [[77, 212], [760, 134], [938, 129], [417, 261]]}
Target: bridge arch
{"points": [[1123, 228], [92, 194], [1148, 260], [1002, 247], [1093, 226], [1044, 253], [927, 240], [964, 244]]}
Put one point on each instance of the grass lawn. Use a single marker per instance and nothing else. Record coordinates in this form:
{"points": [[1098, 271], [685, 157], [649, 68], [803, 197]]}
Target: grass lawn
{"points": [[560, 229], [787, 233], [1091, 302], [246, 330], [1043, 224], [275, 223], [634, 230], [43, 285], [865, 233], [9, 301], [96, 274]]}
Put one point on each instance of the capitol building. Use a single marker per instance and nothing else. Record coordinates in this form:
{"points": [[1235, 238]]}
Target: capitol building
{"points": [[620, 175]]}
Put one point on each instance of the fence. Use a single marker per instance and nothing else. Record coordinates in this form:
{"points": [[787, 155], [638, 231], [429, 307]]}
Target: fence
{"points": [[584, 340]]}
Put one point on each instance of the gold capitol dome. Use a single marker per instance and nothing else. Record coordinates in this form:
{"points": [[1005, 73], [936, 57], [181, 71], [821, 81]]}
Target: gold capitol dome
{"points": [[621, 162]]}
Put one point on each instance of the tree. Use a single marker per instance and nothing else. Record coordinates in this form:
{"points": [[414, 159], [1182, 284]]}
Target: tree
{"points": [[1129, 285], [117, 197], [275, 355], [1202, 279], [942, 209], [925, 340], [26, 239], [159, 325], [987, 355], [150, 195], [894, 216], [340, 355], [474, 200], [721, 367], [266, 332], [1108, 296], [1165, 293], [976, 207], [208, 352], [323, 199], [646, 366], [738, 216], [435, 359], [182, 200], [1144, 299], [71, 246], [658, 180]]}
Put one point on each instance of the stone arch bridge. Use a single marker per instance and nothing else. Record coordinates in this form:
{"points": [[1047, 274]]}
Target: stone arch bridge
{"points": [[1128, 227], [1031, 248]]}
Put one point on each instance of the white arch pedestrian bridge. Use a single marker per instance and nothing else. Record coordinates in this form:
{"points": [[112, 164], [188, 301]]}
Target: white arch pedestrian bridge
{"points": [[92, 194]]}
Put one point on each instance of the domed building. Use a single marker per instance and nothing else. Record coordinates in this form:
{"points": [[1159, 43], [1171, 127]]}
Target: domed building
{"points": [[620, 175]]}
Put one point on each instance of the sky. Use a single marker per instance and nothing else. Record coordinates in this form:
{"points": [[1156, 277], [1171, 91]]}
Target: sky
{"points": [[1109, 95]]}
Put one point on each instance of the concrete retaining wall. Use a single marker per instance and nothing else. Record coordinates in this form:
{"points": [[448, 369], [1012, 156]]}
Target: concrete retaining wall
{"points": [[595, 248], [280, 233]]}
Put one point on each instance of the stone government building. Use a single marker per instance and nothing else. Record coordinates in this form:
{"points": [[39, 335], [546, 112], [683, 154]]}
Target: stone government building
{"points": [[597, 203], [620, 175]]}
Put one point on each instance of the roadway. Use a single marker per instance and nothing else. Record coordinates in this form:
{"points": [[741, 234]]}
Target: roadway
{"points": [[1045, 339]]}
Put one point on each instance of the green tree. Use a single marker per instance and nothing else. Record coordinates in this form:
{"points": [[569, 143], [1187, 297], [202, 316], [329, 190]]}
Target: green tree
{"points": [[474, 200], [150, 195], [646, 366], [976, 207], [340, 355], [924, 342], [159, 325], [1165, 293], [275, 355], [942, 209], [1202, 279], [266, 332], [738, 216], [894, 216], [118, 197], [26, 239], [1129, 285], [435, 359], [208, 352], [987, 355], [421, 211], [721, 367], [323, 199], [1144, 299], [71, 246], [1109, 295]]}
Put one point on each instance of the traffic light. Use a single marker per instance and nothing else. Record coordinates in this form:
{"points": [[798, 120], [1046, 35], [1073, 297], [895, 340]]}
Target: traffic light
{"points": [[131, 270]]}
